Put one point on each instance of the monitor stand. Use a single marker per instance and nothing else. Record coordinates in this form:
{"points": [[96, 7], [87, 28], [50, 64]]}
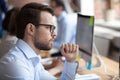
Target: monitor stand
{"points": [[83, 65], [97, 56]]}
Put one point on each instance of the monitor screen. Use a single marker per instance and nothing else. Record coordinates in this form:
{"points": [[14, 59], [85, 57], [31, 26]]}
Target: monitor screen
{"points": [[84, 36]]}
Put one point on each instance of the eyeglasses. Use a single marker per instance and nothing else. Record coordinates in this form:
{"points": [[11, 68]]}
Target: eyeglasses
{"points": [[52, 27]]}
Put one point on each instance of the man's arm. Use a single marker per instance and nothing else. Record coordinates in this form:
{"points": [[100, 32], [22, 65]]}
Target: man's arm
{"points": [[69, 71], [70, 52]]}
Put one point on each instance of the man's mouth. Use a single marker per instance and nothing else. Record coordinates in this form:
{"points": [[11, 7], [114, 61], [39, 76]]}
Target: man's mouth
{"points": [[51, 40]]}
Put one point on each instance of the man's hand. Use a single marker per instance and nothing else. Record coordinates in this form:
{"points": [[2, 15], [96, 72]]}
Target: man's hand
{"points": [[70, 51]]}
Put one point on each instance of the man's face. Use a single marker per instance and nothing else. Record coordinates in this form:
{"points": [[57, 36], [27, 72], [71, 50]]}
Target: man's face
{"points": [[44, 36]]}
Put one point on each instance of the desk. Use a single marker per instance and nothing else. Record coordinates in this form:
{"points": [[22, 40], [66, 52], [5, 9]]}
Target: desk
{"points": [[111, 66]]}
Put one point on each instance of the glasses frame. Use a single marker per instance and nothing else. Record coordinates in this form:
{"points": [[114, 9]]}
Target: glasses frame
{"points": [[52, 27]]}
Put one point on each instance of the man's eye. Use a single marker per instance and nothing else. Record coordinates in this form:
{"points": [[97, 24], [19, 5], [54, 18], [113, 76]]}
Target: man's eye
{"points": [[48, 27]]}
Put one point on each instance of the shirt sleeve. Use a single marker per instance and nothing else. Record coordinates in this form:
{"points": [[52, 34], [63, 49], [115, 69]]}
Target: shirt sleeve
{"points": [[69, 71]]}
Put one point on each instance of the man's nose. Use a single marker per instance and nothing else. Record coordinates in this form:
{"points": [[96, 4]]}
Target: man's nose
{"points": [[54, 34]]}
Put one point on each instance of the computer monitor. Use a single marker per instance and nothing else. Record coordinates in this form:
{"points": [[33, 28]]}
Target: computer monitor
{"points": [[84, 37]]}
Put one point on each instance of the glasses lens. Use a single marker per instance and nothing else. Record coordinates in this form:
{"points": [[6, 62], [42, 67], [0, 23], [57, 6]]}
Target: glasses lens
{"points": [[52, 28]]}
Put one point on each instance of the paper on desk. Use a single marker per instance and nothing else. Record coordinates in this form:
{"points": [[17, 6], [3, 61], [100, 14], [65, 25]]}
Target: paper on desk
{"points": [[87, 77]]}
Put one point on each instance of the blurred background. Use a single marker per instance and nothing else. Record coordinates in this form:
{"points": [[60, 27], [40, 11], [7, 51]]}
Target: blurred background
{"points": [[107, 21]]}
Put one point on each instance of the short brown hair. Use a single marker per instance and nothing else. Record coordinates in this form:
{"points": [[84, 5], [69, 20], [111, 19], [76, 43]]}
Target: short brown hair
{"points": [[30, 13]]}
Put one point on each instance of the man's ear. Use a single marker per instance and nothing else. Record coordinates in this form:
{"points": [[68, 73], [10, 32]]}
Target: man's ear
{"points": [[30, 29]]}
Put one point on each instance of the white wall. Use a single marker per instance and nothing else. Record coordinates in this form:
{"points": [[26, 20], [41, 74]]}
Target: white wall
{"points": [[87, 7]]}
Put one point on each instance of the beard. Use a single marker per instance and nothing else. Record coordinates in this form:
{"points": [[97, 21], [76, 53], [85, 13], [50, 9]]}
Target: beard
{"points": [[42, 46]]}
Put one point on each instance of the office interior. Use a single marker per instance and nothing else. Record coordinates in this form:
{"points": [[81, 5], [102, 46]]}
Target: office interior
{"points": [[106, 26], [107, 21]]}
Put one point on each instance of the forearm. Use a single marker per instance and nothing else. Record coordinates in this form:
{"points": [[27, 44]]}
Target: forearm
{"points": [[69, 71]]}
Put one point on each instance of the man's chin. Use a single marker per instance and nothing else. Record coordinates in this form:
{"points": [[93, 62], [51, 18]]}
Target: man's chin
{"points": [[49, 48]]}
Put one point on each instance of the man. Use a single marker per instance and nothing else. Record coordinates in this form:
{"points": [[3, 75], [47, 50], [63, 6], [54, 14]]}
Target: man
{"points": [[66, 24], [35, 31]]}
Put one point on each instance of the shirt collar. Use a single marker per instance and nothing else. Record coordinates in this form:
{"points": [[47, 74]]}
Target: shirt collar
{"points": [[28, 51], [63, 14]]}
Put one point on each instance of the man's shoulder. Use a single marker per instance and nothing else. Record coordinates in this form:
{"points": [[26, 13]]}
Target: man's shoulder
{"points": [[12, 55], [14, 65]]}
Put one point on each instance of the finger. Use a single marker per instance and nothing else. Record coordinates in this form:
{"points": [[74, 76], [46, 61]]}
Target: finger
{"points": [[70, 48], [73, 48], [67, 48], [77, 48], [63, 48]]}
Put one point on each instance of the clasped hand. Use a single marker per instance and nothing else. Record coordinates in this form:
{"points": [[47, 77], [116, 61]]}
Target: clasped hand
{"points": [[69, 51]]}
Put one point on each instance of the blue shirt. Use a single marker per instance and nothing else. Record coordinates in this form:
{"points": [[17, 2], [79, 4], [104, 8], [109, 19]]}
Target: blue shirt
{"points": [[22, 63], [66, 29]]}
